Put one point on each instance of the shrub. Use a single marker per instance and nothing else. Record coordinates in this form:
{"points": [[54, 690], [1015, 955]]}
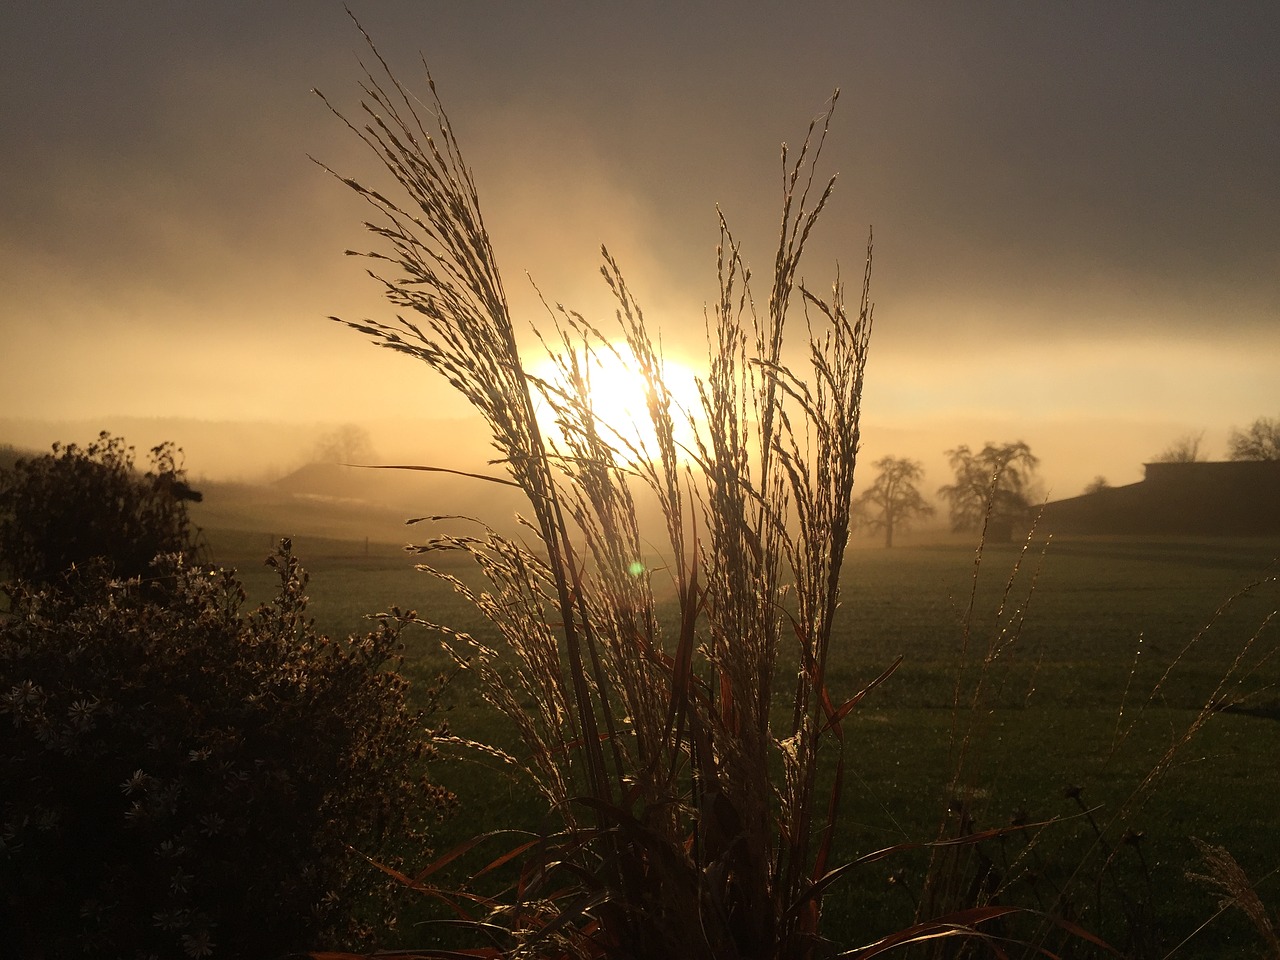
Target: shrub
{"points": [[89, 510], [183, 777]]}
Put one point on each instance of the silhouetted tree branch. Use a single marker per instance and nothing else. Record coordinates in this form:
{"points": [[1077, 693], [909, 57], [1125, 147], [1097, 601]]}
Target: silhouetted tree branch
{"points": [[1260, 441]]}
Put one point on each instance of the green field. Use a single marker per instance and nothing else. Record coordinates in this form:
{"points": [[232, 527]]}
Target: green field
{"points": [[1096, 678]]}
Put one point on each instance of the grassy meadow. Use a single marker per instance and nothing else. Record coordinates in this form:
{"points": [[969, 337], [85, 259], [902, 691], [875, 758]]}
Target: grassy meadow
{"points": [[1093, 683]]}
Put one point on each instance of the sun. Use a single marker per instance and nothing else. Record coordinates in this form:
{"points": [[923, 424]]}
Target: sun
{"points": [[617, 392]]}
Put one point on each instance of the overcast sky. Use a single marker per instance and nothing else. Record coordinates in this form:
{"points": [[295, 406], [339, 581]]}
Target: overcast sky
{"points": [[1076, 206]]}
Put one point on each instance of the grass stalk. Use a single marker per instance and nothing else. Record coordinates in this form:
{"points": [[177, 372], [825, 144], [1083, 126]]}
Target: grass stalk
{"points": [[647, 728]]}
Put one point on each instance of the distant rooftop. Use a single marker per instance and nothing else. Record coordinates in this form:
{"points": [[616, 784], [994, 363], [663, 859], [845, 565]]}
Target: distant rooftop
{"points": [[1229, 498]]}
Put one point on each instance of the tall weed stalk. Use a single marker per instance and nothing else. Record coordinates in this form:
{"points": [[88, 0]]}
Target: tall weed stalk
{"points": [[693, 821]]}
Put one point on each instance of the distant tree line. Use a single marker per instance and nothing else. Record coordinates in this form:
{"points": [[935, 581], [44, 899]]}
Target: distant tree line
{"points": [[1258, 441], [994, 485]]}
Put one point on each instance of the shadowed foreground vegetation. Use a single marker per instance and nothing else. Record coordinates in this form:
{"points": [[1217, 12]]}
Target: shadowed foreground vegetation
{"points": [[1077, 713], [182, 774]]}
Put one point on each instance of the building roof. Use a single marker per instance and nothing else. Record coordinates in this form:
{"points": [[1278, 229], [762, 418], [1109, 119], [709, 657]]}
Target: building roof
{"points": [[1232, 498]]}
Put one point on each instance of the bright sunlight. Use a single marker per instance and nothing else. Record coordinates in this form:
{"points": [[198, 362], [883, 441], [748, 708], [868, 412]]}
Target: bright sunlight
{"points": [[617, 392]]}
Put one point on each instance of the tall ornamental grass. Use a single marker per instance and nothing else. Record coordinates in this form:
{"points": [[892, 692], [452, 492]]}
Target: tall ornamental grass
{"points": [[678, 745]]}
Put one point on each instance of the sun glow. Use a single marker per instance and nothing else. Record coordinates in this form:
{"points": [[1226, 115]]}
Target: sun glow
{"points": [[617, 392]]}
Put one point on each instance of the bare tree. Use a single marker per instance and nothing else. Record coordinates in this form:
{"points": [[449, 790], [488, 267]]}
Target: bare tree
{"points": [[996, 481], [349, 443], [1186, 449], [892, 501], [1260, 441]]}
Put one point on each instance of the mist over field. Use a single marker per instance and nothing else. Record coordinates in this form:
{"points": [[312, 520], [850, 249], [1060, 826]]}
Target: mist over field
{"points": [[1075, 214], [264, 451]]}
